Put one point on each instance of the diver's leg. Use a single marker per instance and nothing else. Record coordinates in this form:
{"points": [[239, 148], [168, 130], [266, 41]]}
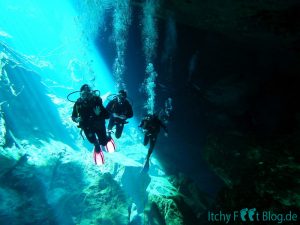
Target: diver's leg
{"points": [[110, 126], [119, 129], [110, 123], [101, 134], [152, 144], [146, 139], [90, 135]]}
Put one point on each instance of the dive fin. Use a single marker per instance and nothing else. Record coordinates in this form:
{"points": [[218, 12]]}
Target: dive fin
{"points": [[98, 157], [110, 146], [146, 167]]}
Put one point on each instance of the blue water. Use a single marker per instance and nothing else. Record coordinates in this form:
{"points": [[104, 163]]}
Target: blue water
{"points": [[109, 45]]}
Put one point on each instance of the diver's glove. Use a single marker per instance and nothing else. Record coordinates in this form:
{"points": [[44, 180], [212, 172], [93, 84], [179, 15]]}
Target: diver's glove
{"points": [[122, 117], [76, 119], [97, 110]]}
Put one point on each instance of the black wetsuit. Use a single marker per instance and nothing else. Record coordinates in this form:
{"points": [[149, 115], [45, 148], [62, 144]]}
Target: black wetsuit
{"points": [[120, 108], [151, 125], [91, 123]]}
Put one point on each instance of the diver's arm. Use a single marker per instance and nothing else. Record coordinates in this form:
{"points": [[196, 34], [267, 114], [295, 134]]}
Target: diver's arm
{"points": [[129, 113], [75, 116]]}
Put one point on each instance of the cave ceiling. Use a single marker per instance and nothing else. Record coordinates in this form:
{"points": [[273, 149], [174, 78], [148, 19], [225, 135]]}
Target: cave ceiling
{"points": [[245, 19]]}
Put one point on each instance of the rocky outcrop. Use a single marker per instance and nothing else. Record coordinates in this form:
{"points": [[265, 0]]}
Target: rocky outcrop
{"points": [[26, 110], [61, 187], [253, 147]]}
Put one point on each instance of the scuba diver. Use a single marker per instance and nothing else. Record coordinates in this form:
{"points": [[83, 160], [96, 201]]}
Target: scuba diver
{"points": [[120, 110], [90, 113], [151, 126]]}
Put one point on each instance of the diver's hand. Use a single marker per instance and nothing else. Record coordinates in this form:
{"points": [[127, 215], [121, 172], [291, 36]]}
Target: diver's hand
{"points": [[122, 117], [77, 120], [166, 134], [97, 110]]}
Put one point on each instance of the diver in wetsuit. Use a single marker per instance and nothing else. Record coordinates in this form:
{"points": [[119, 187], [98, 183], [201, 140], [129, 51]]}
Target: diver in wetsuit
{"points": [[151, 127], [90, 113], [120, 110]]}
